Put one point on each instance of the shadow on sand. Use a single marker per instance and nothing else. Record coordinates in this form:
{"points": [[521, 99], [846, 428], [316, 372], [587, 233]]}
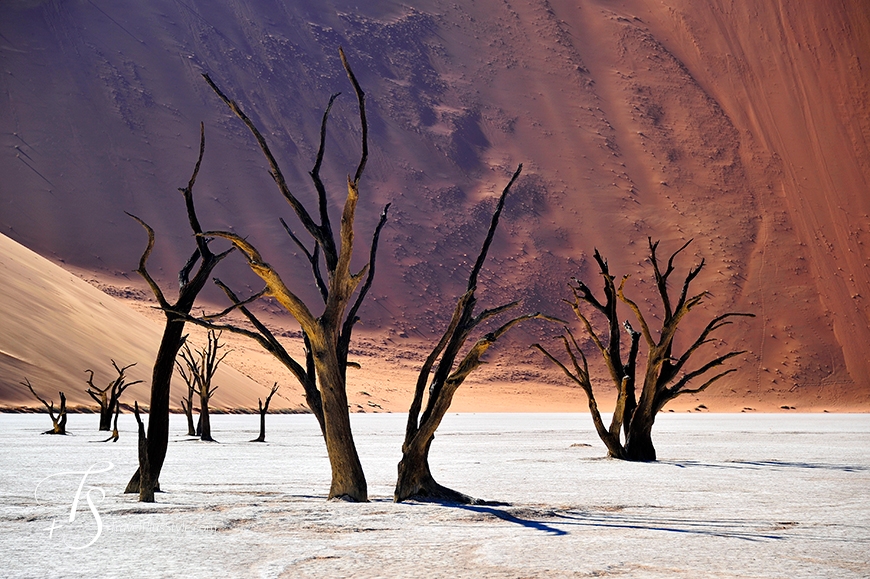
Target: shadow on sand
{"points": [[765, 464], [735, 529], [511, 518], [549, 521]]}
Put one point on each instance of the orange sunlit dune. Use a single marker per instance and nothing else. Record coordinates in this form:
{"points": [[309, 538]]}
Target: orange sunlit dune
{"points": [[743, 126]]}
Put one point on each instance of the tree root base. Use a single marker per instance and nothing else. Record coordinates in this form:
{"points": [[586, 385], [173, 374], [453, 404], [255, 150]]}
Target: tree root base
{"points": [[340, 498], [432, 492]]}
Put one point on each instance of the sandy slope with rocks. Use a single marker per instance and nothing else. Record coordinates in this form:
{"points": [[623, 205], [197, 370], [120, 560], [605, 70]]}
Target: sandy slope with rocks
{"points": [[742, 126]]}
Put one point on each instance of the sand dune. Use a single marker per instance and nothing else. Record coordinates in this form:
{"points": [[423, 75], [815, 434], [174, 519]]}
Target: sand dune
{"points": [[55, 326], [740, 125]]}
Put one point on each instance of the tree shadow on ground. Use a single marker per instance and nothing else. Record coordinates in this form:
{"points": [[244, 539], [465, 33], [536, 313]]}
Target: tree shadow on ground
{"points": [[549, 521], [506, 515], [765, 464], [735, 529]]}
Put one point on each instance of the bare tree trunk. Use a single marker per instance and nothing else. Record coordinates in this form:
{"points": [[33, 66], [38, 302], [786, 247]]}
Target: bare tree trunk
{"points": [[105, 415], [145, 485], [415, 479], [101, 397], [204, 420], [59, 424], [187, 407], [157, 440], [639, 445], [348, 479], [262, 436], [306, 375], [105, 420], [264, 408], [145, 480]]}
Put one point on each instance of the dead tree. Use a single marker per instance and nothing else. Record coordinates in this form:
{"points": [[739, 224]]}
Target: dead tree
{"points": [[264, 408], [187, 403], [58, 420], [157, 439], [109, 396], [415, 479], [326, 336], [198, 370], [665, 375]]}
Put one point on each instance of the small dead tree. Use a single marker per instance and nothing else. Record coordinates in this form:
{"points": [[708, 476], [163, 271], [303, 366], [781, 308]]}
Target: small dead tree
{"points": [[109, 396], [157, 440], [305, 374], [187, 403], [58, 420], [415, 479], [326, 336], [198, 370], [665, 375], [264, 408]]}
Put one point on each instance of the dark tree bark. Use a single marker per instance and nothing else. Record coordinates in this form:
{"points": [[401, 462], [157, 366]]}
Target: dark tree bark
{"points": [[264, 408], [58, 421], [109, 396], [415, 480], [187, 408], [187, 403], [157, 440], [326, 336], [147, 486], [198, 370], [665, 376]]}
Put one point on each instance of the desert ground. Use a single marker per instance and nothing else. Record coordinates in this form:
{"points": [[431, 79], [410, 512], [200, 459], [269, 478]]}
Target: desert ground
{"points": [[734, 496], [737, 129]]}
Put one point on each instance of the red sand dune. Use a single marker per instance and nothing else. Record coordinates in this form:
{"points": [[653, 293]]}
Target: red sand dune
{"points": [[742, 125], [55, 326]]}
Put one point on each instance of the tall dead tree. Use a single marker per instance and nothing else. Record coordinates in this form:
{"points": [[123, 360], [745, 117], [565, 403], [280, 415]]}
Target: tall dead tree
{"points": [[665, 375], [327, 335], [58, 420], [198, 369], [156, 440], [109, 396], [264, 408], [415, 479]]}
